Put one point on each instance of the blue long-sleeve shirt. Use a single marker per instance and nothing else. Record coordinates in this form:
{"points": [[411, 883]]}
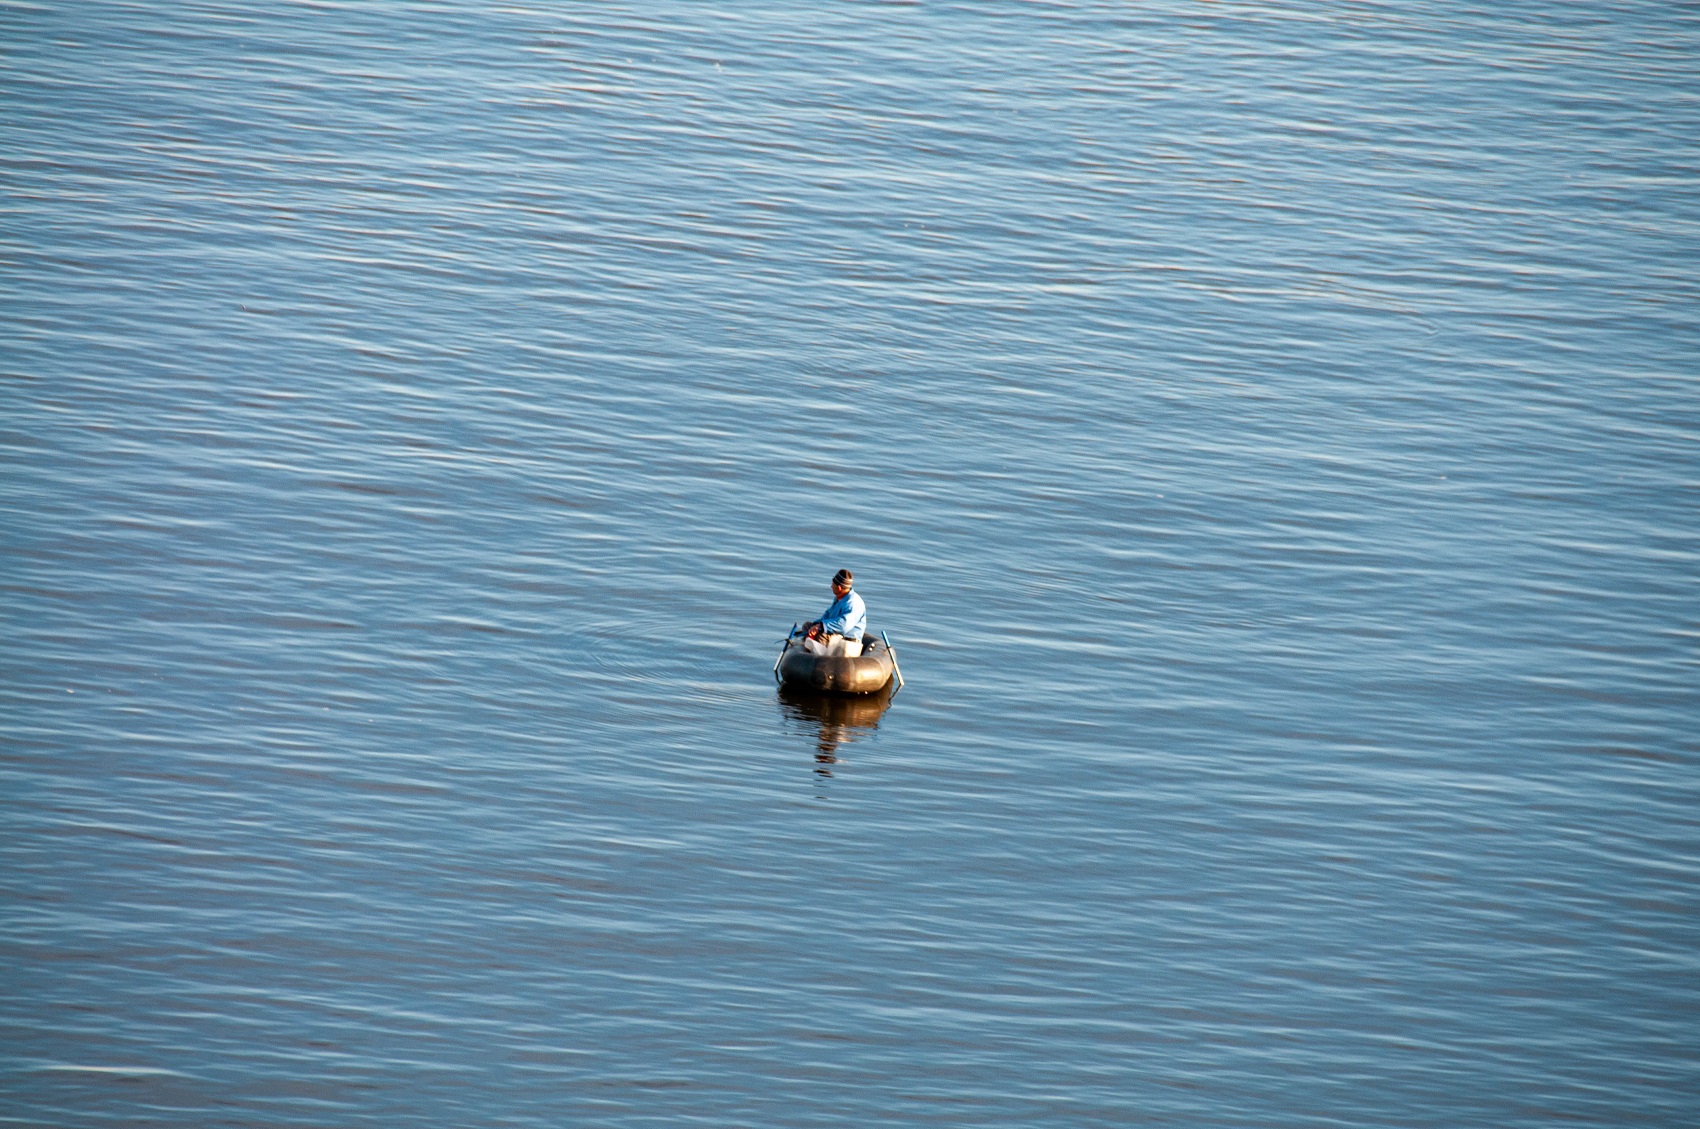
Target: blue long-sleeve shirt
{"points": [[847, 616]]}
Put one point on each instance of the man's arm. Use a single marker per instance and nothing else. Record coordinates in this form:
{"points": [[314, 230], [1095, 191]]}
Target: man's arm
{"points": [[835, 619]]}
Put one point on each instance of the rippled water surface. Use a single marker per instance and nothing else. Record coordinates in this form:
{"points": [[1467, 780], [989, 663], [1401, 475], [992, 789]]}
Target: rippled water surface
{"points": [[1267, 432]]}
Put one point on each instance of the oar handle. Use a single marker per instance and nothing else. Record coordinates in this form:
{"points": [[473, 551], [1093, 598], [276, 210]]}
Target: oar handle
{"points": [[783, 647]]}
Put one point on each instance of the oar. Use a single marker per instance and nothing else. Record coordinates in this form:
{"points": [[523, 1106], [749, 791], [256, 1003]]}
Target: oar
{"points": [[783, 648], [895, 669]]}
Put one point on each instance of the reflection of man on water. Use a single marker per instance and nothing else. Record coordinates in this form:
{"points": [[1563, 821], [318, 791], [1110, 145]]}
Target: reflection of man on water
{"points": [[834, 720], [839, 629]]}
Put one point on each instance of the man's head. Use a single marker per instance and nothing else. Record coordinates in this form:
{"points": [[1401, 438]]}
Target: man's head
{"points": [[841, 582]]}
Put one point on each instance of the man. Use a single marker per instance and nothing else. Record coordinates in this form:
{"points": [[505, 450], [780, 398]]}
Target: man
{"points": [[839, 629]]}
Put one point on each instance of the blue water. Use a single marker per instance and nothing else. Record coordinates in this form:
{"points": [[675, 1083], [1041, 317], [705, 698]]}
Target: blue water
{"points": [[1270, 435]]}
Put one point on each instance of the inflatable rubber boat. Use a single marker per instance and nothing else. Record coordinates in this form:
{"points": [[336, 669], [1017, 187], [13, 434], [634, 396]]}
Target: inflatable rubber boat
{"points": [[868, 673]]}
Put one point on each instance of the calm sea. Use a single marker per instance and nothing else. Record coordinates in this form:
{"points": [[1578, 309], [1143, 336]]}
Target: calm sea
{"points": [[1270, 434]]}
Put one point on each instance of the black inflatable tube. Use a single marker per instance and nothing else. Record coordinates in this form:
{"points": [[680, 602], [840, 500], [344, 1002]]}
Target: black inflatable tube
{"points": [[867, 674]]}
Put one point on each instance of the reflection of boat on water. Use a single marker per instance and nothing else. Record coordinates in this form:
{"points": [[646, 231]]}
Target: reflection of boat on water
{"points": [[846, 711], [835, 718]]}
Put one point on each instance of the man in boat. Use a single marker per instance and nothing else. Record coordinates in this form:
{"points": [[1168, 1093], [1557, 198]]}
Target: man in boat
{"points": [[838, 631]]}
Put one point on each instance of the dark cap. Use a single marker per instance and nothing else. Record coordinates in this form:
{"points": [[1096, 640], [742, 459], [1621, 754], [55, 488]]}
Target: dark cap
{"points": [[842, 578]]}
